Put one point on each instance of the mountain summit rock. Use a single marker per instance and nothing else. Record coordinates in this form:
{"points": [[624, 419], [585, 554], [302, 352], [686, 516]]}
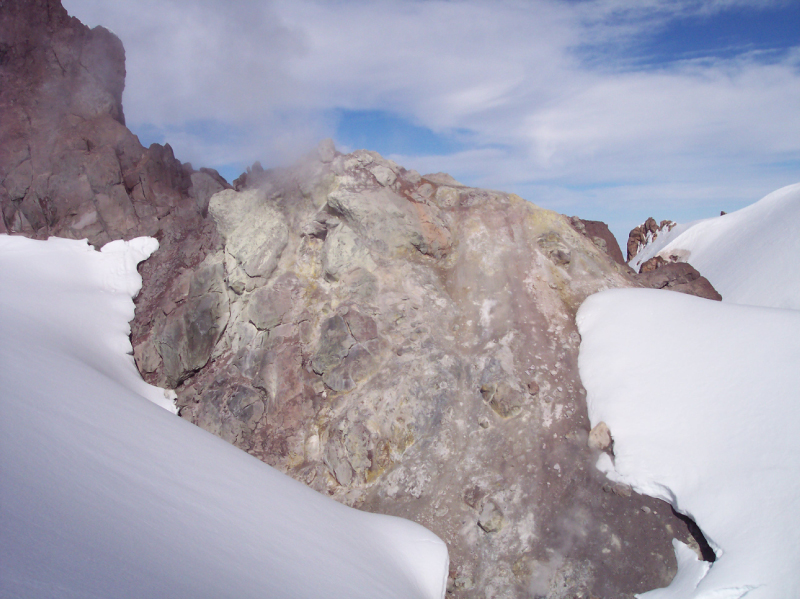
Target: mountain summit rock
{"points": [[403, 343], [407, 345]]}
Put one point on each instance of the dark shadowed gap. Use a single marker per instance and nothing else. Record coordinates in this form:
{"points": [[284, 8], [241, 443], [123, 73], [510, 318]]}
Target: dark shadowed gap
{"points": [[705, 549]]}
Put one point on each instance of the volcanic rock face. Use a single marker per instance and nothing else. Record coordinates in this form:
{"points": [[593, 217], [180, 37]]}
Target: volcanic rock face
{"points": [[407, 345], [402, 343], [68, 165]]}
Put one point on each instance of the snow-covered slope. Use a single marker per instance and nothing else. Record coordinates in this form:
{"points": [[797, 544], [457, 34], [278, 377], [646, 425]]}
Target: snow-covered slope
{"points": [[104, 494], [706, 418], [750, 256]]}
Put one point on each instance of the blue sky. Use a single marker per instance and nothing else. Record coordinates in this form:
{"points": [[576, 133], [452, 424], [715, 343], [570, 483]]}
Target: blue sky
{"points": [[609, 109]]}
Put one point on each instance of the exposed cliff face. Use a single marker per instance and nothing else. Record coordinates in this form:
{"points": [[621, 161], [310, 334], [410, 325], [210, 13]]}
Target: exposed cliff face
{"points": [[68, 165], [404, 344], [407, 345]]}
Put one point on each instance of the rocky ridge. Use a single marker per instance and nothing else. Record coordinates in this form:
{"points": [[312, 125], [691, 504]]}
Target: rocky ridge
{"points": [[645, 233], [407, 345], [68, 165], [402, 343]]}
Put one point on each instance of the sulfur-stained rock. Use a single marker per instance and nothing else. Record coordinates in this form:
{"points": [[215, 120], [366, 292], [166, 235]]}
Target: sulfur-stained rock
{"points": [[415, 349], [490, 519], [402, 343], [255, 235], [267, 306], [344, 252]]}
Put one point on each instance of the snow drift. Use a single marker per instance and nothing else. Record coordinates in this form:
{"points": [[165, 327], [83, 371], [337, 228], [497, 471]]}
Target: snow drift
{"points": [[706, 416], [750, 256], [707, 419], [106, 494]]}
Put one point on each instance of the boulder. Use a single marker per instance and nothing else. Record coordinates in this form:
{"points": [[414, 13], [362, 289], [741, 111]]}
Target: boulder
{"points": [[413, 340], [676, 276]]}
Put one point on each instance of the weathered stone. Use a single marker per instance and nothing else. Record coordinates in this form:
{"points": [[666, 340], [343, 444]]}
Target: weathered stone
{"points": [[355, 367], [246, 405], [68, 165], [267, 306], [255, 235], [599, 233], [344, 252], [652, 264], [205, 185], [490, 519], [362, 327], [678, 276], [384, 175], [600, 437], [502, 398], [335, 342], [644, 234], [555, 248], [193, 329]]}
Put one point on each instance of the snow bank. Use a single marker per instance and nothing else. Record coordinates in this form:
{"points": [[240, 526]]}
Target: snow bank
{"points": [[750, 256], [104, 494], [702, 401], [78, 301]]}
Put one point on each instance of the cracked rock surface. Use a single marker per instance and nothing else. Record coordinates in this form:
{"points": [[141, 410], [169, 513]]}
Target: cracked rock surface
{"points": [[402, 343], [407, 345]]}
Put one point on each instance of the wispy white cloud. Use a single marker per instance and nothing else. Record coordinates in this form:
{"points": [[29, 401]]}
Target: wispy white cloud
{"points": [[551, 91]]}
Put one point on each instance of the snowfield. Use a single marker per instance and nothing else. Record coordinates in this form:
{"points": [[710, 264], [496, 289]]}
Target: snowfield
{"points": [[751, 256], [105, 494], [702, 398]]}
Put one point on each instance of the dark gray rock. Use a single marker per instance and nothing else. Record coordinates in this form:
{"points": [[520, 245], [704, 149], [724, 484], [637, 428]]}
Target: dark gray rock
{"points": [[189, 333], [335, 342]]}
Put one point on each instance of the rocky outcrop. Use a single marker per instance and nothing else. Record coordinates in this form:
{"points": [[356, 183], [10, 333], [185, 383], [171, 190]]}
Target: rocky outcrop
{"points": [[599, 234], [402, 343], [407, 345], [676, 276], [68, 165], [645, 233], [671, 275]]}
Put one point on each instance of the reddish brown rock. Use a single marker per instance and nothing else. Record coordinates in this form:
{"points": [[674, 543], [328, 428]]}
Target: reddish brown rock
{"points": [[68, 165], [652, 264], [645, 233], [678, 276], [599, 233]]}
